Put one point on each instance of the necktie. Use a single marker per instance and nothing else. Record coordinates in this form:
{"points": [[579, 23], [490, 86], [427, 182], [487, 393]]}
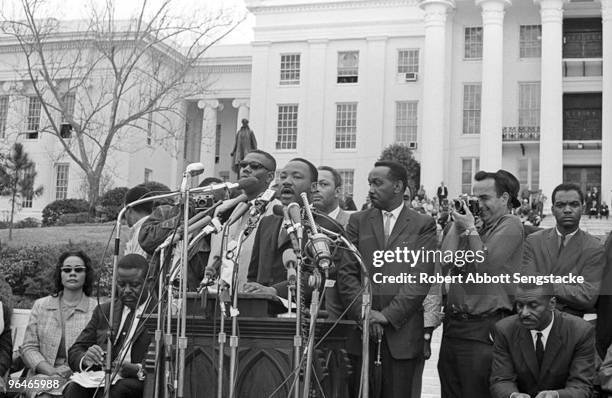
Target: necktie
{"points": [[122, 336], [539, 349], [561, 245], [387, 225]]}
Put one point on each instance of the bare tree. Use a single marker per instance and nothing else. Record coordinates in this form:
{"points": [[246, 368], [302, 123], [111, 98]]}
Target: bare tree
{"points": [[104, 80]]}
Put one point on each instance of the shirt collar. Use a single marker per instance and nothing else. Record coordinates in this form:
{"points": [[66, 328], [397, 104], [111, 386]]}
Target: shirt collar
{"points": [[396, 212], [334, 213], [545, 332], [138, 223], [567, 237]]}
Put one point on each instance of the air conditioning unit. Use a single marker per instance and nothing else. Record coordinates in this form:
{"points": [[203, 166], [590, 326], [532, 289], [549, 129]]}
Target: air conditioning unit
{"points": [[411, 76], [412, 145], [65, 130]]}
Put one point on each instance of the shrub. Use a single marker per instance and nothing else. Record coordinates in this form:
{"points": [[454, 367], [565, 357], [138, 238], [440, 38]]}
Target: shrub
{"points": [[29, 270], [74, 218], [52, 212], [29, 222], [111, 203]]}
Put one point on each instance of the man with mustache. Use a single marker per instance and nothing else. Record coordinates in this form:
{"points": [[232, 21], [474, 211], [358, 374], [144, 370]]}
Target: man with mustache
{"points": [[396, 316], [471, 309], [261, 165], [566, 249], [326, 197], [130, 344], [542, 352]]}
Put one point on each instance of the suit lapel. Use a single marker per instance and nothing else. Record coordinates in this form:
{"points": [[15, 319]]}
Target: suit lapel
{"points": [[528, 351], [400, 225], [553, 344], [376, 224], [553, 244]]}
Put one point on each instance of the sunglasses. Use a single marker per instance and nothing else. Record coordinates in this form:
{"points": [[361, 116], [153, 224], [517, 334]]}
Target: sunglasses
{"points": [[252, 165], [78, 270]]}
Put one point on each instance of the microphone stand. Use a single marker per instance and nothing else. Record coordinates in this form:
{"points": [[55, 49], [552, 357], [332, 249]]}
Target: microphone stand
{"points": [[159, 326], [222, 335], [234, 314]]}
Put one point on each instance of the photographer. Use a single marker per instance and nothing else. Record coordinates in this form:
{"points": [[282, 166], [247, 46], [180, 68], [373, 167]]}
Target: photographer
{"points": [[471, 309], [164, 221]]}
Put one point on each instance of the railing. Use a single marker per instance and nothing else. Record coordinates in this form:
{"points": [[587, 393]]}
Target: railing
{"points": [[582, 67], [521, 133]]}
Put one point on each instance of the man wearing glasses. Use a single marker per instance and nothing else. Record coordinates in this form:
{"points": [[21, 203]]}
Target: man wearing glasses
{"points": [[566, 248], [261, 165]]}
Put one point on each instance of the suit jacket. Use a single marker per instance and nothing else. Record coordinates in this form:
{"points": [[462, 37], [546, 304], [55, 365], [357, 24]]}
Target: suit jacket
{"points": [[603, 327], [95, 333], [583, 255], [442, 192], [6, 341], [44, 332], [401, 304], [568, 365]]}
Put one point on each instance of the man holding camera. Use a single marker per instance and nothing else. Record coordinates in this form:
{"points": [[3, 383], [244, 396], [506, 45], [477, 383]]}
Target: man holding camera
{"points": [[471, 309]]}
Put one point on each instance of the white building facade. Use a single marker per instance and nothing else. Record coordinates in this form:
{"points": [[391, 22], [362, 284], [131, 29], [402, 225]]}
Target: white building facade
{"points": [[514, 84]]}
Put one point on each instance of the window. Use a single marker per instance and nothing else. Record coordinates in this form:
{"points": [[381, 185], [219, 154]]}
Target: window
{"points": [[408, 61], [4, 102], [469, 167], [26, 200], [348, 66], [147, 175], [290, 69], [348, 176], [33, 120], [346, 125], [66, 127], [531, 41], [286, 132], [471, 109], [61, 181], [150, 129], [529, 104], [405, 121], [473, 43]]}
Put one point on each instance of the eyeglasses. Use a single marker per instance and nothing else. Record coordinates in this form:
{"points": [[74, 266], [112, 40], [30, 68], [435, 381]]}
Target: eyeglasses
{"points": [[252, 165], [78, 270]]}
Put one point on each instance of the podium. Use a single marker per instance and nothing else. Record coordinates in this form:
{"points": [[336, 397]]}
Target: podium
{"points": [[265, 352]]}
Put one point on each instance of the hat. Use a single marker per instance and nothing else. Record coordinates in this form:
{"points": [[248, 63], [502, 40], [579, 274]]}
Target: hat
{"points": [[510, 184]]}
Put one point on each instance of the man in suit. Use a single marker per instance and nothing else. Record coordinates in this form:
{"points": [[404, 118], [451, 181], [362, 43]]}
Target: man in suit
{"points": [[442, 193], [471, 309], [566, 249], [603, 329], [396, 316], [542, 352], [135, 216], [130, 345], [326, 197]]}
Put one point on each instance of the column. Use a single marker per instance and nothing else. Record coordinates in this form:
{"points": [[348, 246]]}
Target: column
{"points": [[242, 104], [434, 79], [209, 129], [551, 100], [492, 83], [606, 103]]}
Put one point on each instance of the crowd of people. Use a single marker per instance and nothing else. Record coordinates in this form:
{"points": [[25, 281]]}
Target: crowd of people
{"points": [[501, 340]]}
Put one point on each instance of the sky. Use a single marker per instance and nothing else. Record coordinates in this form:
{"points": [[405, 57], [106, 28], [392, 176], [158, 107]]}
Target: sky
{"points": [[79, 9]]}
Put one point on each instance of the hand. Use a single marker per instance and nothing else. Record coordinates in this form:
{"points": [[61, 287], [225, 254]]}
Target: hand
{"points": [[463, 221], [427, 349], [94, 356], [548, 394], [378, 317], [376, 331], [63, 371], [128, 370], [254, 287]]}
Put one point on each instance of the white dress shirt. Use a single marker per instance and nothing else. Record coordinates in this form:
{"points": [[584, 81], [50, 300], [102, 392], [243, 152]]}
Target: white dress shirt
{"points": [[394, 216], [545, 332]]}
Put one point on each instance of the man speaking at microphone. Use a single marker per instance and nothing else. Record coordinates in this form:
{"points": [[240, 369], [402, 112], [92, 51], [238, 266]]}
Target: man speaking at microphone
{"points": [[262, 166]]}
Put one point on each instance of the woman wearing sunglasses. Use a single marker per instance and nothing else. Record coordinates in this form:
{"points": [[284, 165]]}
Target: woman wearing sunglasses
{"points": [[57, 320]]}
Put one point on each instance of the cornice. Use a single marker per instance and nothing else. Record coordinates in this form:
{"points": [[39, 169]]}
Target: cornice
{"points": [[277, 7], [225, 68]]}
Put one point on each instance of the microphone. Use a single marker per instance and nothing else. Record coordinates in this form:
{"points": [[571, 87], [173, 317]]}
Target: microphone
{"points": [[262, 201], [194, 169], [290, 262], [289, 227], [229, 204], [320, 247], [241, 184], [238, 212], [296, 217]]}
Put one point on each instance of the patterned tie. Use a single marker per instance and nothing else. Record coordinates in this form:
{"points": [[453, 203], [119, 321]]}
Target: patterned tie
{"points": [[122, 336], [387, 225], [539, 349]]}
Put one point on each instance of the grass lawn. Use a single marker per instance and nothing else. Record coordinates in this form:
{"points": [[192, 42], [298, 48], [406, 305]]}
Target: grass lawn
{"points": [[60, 235]]}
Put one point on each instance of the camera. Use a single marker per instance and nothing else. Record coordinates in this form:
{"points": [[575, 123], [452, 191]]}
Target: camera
{"points": [[472, 204], [203, 201]]}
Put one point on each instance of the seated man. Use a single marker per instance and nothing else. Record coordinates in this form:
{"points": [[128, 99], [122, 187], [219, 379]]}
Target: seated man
{"points": [[130, 344], [542, 352], [604, 211], [6, 343]]}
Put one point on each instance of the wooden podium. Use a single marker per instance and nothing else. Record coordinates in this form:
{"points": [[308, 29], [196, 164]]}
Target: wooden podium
{"points": [[265, 352]]}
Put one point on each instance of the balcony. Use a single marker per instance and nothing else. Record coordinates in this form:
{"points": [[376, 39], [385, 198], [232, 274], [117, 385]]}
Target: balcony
{"points": [[521, 134], [582, 67]]}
